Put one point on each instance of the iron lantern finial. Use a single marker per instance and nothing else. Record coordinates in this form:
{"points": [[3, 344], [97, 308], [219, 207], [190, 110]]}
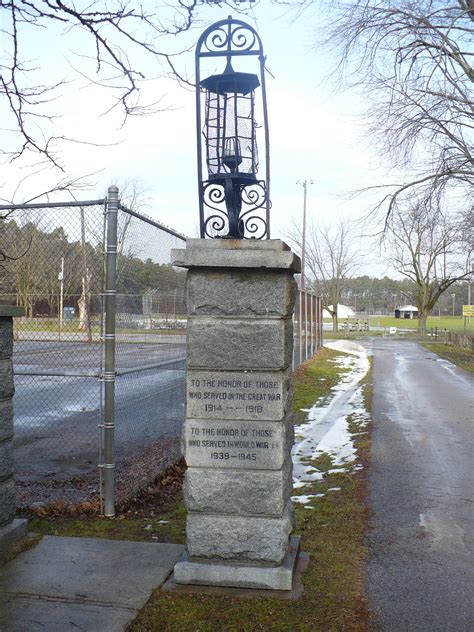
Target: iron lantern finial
{"points": [[233, 201]]}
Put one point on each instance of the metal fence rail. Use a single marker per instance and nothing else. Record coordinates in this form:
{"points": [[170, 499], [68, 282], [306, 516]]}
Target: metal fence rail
{"points": [[150, 339], [307, 326]]}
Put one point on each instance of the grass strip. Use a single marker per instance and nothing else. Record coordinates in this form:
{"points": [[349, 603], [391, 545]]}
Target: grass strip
{"points": [[313, 381], [462, 358]]}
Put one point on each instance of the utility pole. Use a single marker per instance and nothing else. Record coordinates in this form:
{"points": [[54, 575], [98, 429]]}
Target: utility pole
{"points": [[61, 296], [304, 184], [470, 285], [302, 295]]}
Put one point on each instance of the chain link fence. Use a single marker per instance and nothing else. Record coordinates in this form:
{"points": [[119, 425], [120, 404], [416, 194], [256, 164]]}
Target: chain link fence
{"points": [[99, 357], [150, 351], [57, 268], [54, 270]]}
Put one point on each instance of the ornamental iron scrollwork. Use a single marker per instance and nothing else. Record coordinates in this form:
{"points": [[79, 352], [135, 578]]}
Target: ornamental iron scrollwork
{"points": [[251, 223], [240, 37]]}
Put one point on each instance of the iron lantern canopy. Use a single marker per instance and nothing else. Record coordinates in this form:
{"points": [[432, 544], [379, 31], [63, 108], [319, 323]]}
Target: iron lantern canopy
{"points": [[233, 202]]}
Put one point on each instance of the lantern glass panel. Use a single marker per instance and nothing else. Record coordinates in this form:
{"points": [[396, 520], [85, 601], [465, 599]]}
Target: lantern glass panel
{"points": [[229, 130]]}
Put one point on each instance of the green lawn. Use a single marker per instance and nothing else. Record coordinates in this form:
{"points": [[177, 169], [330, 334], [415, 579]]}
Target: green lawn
{"points": [[459, 357], [450, 323], [51, 325]]}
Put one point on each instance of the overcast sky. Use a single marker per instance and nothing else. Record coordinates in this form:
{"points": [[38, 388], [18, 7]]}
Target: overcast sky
{"points": [[315, 132]]}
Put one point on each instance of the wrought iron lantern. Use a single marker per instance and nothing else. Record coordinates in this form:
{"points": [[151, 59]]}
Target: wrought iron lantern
{"points": [[233, 202]]}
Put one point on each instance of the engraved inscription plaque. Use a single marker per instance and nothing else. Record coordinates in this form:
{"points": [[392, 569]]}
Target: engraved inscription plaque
{"points": [[246, 445], [237, 394]]}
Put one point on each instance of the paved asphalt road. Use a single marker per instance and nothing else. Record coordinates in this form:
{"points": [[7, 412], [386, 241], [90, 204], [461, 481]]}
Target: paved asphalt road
{"points": [[56, 418], [420, 573]]}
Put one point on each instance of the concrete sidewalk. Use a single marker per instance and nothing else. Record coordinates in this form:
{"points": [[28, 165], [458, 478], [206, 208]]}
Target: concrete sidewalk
{"points": [[81, 584]]}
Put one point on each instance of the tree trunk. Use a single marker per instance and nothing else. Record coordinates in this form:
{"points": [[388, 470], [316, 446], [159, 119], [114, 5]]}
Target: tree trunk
{"points": [[84, 306], [334, 322], [84, 303], [422, 325]]}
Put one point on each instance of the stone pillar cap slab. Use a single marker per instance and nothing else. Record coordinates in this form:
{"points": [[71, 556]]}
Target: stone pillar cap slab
{"points": [[272, 254], [11, 311]]}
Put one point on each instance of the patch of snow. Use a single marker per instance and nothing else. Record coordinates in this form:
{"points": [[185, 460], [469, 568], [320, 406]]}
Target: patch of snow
{"points": [[326, 430], [298, 484], [304, 499], [334, 489], [347, 346]]}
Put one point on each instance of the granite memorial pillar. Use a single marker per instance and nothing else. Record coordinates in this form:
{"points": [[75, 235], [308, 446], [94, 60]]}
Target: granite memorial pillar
{"points": [[11, 528], [238, 431]]}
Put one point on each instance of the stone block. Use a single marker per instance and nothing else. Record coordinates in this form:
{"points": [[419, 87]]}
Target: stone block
{"points": [[238, 343], [240, 293], [248, 445], [6, 378], [239, 575], [237, 394], [7, 501], [6, 419], [11, 533], [271, 254], [242, 538], [6, 459], [6, 337], [243, 493]]}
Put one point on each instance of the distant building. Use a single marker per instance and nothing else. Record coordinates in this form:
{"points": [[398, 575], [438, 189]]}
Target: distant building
{"points": [[407, 311], [343, 311]]}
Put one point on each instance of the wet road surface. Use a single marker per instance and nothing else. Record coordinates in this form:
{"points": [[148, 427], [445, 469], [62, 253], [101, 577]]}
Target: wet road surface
{"points": [[57, 416], [420, 573]]}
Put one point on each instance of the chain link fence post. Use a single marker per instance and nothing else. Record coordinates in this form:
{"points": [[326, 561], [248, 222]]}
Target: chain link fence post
{"points": [[109, 364]]}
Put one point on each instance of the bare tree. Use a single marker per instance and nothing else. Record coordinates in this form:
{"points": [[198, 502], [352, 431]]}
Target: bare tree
{"points": [[106, 43], [412, 61], [84, 302], [331, 259], [427, 247]]}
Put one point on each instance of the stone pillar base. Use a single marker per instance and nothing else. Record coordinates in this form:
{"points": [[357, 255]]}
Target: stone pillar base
{"points": [[11, 533], [228, 574]]}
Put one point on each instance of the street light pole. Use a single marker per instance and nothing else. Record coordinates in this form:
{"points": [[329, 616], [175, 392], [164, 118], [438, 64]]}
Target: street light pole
{"points": [[453, 296], [304, 184]]}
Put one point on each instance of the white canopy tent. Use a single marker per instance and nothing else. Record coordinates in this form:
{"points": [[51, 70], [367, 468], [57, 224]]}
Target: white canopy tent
{"points": [[343, 311]]}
